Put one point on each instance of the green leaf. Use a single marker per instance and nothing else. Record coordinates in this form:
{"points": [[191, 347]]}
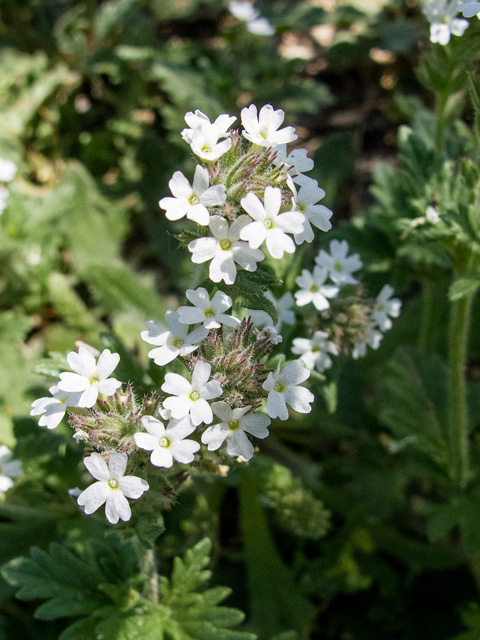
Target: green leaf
{"points": [[463, 287], [68, 583], [275, 601], [413, 402]]}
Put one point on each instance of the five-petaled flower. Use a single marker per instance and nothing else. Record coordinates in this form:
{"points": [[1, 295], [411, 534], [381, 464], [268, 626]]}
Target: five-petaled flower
{"points": [[172, 341], [339, 264], [192, 201], [313, 288], [269, 224], [167, 444], [234, 425], [192, 398], [262, 129], [90, 377], [54, 407], [225, 250], [282, 390], [112, 487], [209, 312]]}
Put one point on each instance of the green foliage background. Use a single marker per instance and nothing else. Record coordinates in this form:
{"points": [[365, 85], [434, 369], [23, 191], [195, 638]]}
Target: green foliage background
{"points": [[348, 524]]}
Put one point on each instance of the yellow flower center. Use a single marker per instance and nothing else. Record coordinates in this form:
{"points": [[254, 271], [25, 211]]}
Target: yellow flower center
{"points": [[194, 199], [279, 386], [194, 396], [209, 313], [113, 484], [338, 266], [164, 442], [177, 342], [268, 223], [233, 425], [225, 244], [314, 288]]}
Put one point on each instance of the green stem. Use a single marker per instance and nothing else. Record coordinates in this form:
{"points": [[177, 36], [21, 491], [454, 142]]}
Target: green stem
{"points": [[440, 122], [429, 314], [150, 568], [457, 388]]}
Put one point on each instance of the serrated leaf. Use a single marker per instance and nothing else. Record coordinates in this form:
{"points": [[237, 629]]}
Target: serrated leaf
{"points": [[66, 581], [463, 287], [413, 401], [188, 574]]}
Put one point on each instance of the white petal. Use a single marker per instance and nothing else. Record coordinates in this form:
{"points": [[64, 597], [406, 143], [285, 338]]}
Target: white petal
{"points": [[146, 441], [276, 406], [239, 445], [178, 406], [161, 458], [72, 382], [200, 411], [108, 387], [180, 186], [256, 424], [200, 375], [132, 487], [184, 450], [82, 362], [117, 463], [97, 466], [215, 435], [117, 507], [179, 429], [176, 384], [93, 497], [107, 362], [299, 399]]}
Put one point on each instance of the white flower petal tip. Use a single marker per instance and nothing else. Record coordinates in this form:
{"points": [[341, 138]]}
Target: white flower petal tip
{"points": [[90, 377], [112, 487], [283, 389], [263, 129], [9, 469]]}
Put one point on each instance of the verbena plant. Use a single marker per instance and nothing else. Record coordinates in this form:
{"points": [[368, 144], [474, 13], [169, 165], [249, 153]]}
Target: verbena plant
{"points": [[268, 413]]}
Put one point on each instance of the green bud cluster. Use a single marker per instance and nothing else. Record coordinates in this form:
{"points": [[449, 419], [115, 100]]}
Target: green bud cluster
{"points": [[296, 509], [247, 168], [347, 320], [236, 357], [112, 425]]}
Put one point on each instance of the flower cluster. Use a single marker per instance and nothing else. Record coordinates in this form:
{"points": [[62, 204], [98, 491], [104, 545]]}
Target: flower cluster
{"points": [[250, 201], [244, 11], [8, 169], [444, 21], [251, 195]]}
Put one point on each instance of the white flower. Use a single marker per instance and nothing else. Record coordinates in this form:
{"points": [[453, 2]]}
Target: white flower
{"points": [[233, 427], [197, 119], [191, 398], [340, 265], [112, 488], [432, 215], [469, 9], [262, 129], [282, 390], [243, 10], [313, 288], [260, 27], [209, 312], [443, 21], [204, 142], [269, 225], [192, 201], [285, 313], [172, 341], [167, 444], [8, 169], [90, 378], [306, 201], [296, 161], [225, 249], [8, 469], [3, 198], [386, 306], [373, 340], [314, 352], [268, 333], [54, 407]]}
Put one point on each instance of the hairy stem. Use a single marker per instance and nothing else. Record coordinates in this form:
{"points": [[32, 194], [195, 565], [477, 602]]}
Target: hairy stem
{"points": [[457, 388], [150, 568], [429, 313]]}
